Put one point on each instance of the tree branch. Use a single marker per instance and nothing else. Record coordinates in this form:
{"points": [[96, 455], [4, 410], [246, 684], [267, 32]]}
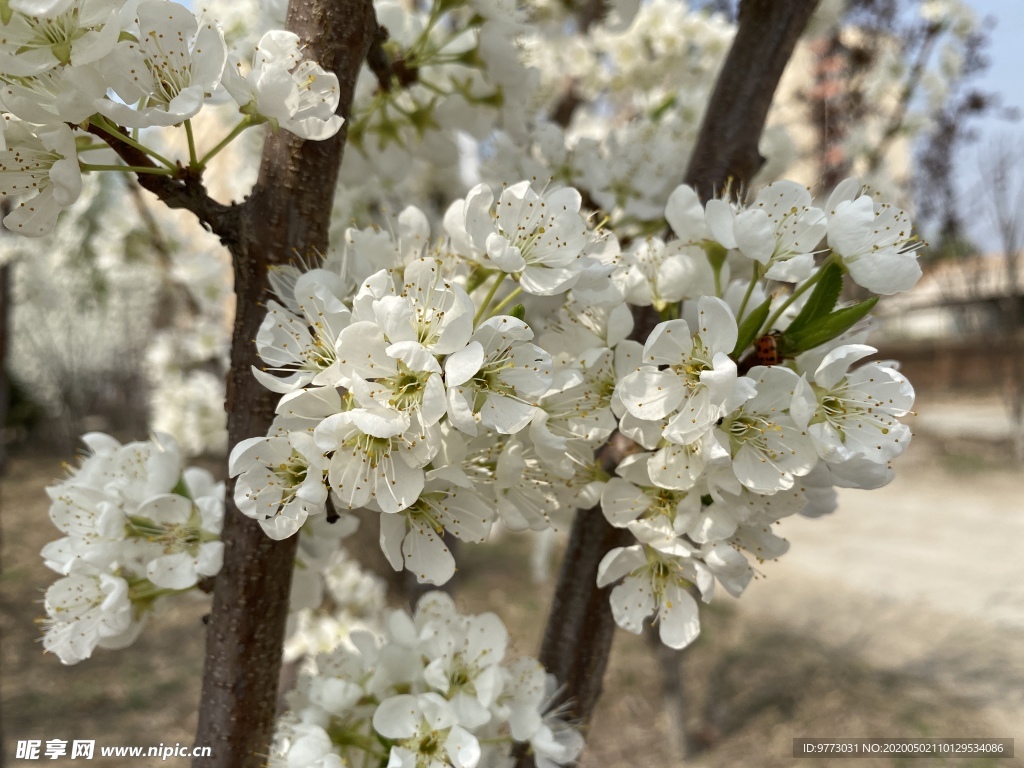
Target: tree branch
{"points": [[726, 147], [896, 120], [183, 190], [578, 637], [288, 214], [377, 59], [587, 14]]}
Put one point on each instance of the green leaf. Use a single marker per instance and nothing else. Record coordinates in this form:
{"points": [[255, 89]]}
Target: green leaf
{"points": [[821, 301], [750, 326], [826, 328]]}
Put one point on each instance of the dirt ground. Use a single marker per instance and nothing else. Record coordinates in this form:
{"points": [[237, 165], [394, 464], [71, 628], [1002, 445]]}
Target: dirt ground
{"points": [[901, 615]]}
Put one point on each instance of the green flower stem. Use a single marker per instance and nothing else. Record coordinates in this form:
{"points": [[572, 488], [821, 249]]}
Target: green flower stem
{"points": [[89, 167], [487, 299], [795, 295], [92, 147], [432, 87], [145, 527], [245, 123], [102, 123], [505, 302], [750, 290], [345, 738], [142, 590], [192, 156]]}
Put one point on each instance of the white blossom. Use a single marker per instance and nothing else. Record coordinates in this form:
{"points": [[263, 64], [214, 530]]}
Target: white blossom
{"points": [[299, 96], [875, 241], [699, 384], [168, 73], [85, 611], [425, 728], [779, 230], [655, 581], [39, 35], [373, 457], [43, 163], [539, 238], [769, 449], [498, 378], [854, 413]]}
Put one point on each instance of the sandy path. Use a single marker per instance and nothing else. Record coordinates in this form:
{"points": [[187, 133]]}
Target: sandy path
{"points": [[925, 576]]}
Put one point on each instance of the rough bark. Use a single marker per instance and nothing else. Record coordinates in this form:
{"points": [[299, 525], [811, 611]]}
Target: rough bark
{"points": [[6, 317], [288, 214], [726, 147], [578, 637]]}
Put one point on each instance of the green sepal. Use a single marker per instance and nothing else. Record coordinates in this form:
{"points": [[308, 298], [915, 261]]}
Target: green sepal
{"points": [[821, 301], [422, 118], [182, 489], [495, 101], [716, 254], [518, 312], [62, 52], [477, 276], [750, 326], [667, 104], [825, 329]]}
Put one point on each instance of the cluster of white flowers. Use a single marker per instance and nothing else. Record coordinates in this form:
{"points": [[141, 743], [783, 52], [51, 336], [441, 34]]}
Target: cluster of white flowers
{"points": [[114, 67], [492, 371], [332, 597], [640, 93], [432, 689], [411, 391], [138, 527], [453, 66]]}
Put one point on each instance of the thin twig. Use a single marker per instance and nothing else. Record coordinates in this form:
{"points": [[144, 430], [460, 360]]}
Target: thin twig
{"points": [[183, 190], [378, 60]]}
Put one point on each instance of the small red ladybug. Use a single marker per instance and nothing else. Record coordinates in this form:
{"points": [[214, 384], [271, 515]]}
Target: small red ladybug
{"points": [[766, 349]]}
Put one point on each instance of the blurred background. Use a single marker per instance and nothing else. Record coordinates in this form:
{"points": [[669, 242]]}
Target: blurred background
{"points": [[900, 615]]}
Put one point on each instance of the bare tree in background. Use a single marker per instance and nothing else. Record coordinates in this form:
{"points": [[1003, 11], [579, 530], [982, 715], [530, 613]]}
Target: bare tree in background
{"points": [[1001, 197]]}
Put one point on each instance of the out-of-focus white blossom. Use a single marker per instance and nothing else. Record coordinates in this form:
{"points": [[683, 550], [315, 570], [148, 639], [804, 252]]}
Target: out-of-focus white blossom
{"points": [[432, 688], [138, 526]]}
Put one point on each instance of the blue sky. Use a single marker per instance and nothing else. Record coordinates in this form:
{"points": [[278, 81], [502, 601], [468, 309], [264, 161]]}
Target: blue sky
{"points": [[1006, 51], [1006, 77]]}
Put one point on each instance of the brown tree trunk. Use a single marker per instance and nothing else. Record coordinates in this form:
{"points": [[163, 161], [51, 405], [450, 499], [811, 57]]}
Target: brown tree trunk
{"points": [[6, 318], [726, 147], [578, 637], [288, 214]]}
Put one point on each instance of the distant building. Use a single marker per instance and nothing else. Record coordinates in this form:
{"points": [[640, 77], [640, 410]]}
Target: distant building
{"points": [[955, 299], [961, 328]]}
